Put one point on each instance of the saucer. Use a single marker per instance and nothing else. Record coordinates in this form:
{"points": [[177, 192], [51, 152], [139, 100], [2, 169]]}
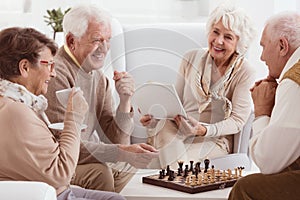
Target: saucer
{"points": [[60, 126]]}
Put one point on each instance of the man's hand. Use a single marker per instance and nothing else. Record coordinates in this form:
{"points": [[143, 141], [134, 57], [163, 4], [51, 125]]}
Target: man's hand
{"points": [[263, 96], [125, 87], [190, 127], [138, 155]]}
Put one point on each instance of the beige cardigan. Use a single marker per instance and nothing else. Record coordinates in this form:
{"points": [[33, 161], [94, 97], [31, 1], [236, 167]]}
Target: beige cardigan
{"points": [[238, 93], [29, 151]]}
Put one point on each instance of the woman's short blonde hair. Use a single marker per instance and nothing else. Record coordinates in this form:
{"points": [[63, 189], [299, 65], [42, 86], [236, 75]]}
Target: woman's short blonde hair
{"points": [[236, 20]]}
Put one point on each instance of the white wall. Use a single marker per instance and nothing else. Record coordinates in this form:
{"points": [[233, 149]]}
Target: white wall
{"points": [[31, 12]]}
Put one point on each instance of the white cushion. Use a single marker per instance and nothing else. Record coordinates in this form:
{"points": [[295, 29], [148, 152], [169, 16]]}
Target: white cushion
{"points": [[26, 190]]}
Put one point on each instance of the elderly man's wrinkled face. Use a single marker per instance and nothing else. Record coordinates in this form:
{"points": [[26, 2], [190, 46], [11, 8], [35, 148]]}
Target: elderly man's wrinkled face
{"points": [[91, 49], [222, 43], [271, 54]]}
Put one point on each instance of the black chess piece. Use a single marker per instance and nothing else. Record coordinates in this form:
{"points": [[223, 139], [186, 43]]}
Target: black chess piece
{"points": [[186, 172], [191, 166], [180, 164], [171, 176], [163, 172], [206, 165], [179, 172], [161, 176], [196, 171], [168, 170]]}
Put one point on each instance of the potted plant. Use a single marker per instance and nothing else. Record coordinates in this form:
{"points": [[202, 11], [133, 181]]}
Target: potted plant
{"points": [[54, 19]]}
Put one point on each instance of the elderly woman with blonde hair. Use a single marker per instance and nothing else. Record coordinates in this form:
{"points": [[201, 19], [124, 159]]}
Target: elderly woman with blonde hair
{"points": [[213, 85]]}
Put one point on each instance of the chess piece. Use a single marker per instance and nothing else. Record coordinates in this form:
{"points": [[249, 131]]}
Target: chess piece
{"points": [[229, 176], [179, 172], [198, 166], [206, 165], [161, 175], [193, 177], [186, 172], [171, 175], [188, 180], [180, 164], [191, 166], [163, 172], [168, 170], [224, 178], [240, 169], [235, 173], [199, 182], [205, 179]]}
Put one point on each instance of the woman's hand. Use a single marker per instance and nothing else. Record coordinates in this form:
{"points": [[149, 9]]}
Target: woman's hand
{"points": [[190, 127], [148, 121]]}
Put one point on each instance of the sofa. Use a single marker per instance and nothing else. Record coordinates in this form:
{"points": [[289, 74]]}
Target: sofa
{"points": [[150, 52]]}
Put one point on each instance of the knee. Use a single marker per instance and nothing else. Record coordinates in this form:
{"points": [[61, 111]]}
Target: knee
{"points": [[96, 176], [244, 188]]}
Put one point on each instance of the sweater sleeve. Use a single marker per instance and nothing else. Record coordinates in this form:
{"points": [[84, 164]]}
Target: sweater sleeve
{"points": [[40, 156], [276, 140]]}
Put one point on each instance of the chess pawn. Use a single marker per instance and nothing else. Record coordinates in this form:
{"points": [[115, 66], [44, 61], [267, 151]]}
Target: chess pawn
{"points": [[224, 178], [193, 180], [188, 180], [199, 182], [205, 179], [235, 173], [229, 176], [212, 178]]}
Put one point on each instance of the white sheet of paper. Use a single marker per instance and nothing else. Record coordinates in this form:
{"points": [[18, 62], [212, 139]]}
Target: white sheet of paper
{"points": [[159, 100]]}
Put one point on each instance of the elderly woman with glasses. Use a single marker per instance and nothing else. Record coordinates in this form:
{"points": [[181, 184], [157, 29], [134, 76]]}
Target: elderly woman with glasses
{"points": [[30, 152]]}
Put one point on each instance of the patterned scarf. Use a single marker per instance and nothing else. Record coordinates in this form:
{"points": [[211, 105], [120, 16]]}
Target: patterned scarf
{"points": [[218, 90], [20, 94]]}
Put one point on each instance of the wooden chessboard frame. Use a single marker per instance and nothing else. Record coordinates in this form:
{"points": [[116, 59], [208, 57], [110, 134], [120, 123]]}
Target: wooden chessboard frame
{"points": [[181, 186]]}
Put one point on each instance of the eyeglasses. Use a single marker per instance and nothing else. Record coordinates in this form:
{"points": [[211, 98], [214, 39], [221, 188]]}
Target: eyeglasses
{"points": [[50, 64]]}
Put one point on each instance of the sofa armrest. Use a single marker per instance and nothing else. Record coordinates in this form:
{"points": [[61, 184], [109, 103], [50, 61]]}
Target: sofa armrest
{"points": [[26, 190]]}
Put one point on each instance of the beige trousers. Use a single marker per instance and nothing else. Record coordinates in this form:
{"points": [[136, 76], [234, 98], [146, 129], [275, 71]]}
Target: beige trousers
{"points": [[173, 146], [99, 176]]}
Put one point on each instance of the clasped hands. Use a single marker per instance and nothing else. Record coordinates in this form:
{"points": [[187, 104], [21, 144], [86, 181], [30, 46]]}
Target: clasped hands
{"points": [[187, 127], [263, 96]]}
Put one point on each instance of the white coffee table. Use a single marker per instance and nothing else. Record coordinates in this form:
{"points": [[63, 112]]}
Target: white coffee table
{"points": [[136, 190]]}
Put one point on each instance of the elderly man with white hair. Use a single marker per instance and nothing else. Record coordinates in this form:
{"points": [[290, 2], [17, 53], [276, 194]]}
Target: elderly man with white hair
{"points": [[275, 144]]}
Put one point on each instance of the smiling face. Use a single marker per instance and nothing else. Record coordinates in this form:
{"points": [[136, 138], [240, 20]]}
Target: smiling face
{"points": [[222, 43], [38, 77], [90, 50]]}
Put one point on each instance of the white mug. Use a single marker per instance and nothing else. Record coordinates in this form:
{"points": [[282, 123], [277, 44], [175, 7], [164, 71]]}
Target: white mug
{"points": [[63, 95]]}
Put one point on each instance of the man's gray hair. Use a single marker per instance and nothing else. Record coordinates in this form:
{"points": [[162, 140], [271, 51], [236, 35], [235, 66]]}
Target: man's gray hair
{"points": [[77, 19], [236, 20], [285, 24]]}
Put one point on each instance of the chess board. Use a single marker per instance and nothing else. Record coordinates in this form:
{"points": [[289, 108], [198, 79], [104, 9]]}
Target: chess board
{"points": [[191, 182]]}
